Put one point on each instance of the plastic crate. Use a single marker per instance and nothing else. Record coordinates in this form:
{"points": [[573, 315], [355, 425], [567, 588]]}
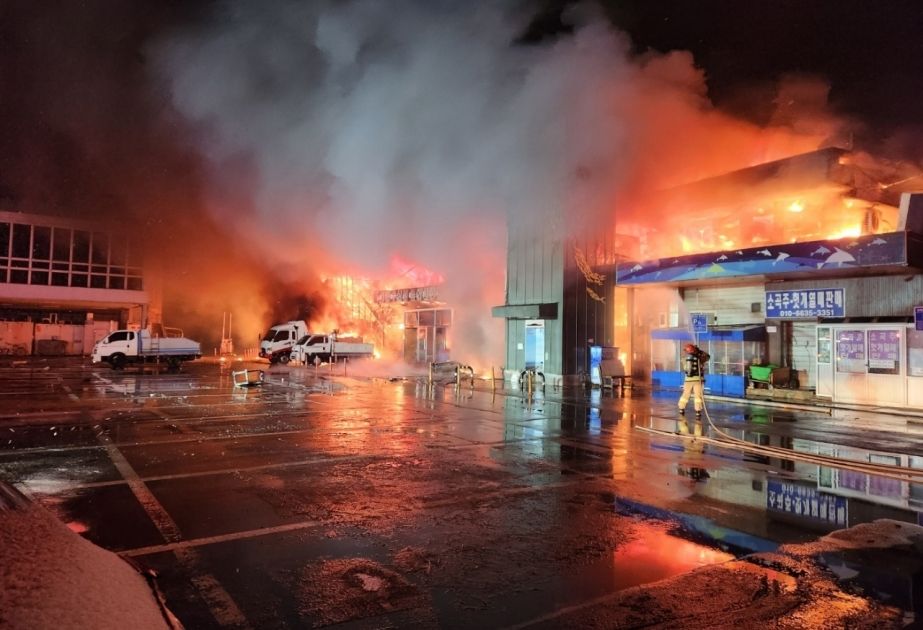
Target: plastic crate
{"points": [[761, 372]]}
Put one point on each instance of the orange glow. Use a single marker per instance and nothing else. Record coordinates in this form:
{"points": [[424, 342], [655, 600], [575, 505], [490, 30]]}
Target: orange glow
{"points": [[758, 219], [659, 554], [849, 232]]}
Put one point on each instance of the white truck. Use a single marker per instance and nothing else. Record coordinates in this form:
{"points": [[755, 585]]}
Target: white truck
{"points": [[124, 347], [277, 343], [329, 348]]}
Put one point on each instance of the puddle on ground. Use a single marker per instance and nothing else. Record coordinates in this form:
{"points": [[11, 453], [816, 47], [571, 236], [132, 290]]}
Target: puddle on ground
{"points": [[655, 554]]}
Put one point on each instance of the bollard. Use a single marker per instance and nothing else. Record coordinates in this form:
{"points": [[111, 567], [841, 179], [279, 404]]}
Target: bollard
{"points": [[429, 383], [529, 383]]}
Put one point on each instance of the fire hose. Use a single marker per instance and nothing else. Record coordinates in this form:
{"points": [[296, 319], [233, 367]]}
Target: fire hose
{"points": [[729, 441]]}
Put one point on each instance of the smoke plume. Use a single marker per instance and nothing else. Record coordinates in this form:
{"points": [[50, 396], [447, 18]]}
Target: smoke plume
{"points": [[261, 146]]}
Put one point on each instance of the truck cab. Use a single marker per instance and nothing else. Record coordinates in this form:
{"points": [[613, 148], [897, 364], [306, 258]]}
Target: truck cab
{"points": [[278, 341]]}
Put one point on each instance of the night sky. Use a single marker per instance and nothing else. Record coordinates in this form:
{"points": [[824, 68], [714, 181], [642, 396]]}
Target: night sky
{"points": [[870, 53]]}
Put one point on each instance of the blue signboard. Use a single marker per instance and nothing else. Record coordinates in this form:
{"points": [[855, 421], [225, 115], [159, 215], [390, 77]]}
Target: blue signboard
{"points": [[806, 502], [699, 322], [806, 303], [918, 317]]}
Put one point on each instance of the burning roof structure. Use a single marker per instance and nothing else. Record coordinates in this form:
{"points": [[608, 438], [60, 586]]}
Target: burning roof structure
{"points": [[823, 210], [826, 194]]}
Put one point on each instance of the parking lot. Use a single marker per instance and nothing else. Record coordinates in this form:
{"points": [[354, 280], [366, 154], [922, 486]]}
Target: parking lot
{"points": [[320, 498]]}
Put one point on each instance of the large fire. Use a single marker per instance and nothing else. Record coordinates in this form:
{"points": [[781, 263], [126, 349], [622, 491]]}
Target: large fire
{"points": [[718, 216], [353, 310]]}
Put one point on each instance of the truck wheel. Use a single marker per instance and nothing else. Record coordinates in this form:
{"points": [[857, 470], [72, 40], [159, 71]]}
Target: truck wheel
{"points": [[117, 361], [173, 365], [284, 359]]}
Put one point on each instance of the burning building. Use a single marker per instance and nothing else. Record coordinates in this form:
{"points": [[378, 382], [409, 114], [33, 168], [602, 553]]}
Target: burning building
{"points": [[813, 263]]}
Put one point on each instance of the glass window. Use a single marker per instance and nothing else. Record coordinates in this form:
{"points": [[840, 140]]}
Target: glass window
{"points": [[4, 239], [427, 318], [22, 240], [98, 282], [444, 317], [411, 319], [850, 351], [914, 352], [62, 244], [665, 355], [823, 345], [121, 335], [884, 351], [100, 248], [39, 277], [116, 282], [81, 246], [79, 280], [59, 279], [41, 242], [133, 284]]}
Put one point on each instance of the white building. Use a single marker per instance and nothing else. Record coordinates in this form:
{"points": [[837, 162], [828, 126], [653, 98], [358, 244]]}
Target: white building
{"points": [[64, 283]]}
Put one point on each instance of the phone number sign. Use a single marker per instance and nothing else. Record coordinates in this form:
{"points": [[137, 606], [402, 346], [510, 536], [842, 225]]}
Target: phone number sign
{"points": [[806, 303]]}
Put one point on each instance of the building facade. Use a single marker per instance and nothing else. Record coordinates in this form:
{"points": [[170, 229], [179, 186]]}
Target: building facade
{"points": [[825, 286], [65, 283]]}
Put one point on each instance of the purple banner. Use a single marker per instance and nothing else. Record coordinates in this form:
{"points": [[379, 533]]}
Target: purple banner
{"points": [[884, 345], [850, 344]]}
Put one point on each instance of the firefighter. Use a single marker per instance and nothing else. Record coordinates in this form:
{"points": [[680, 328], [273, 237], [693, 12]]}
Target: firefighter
{"points": [[694, 371]]}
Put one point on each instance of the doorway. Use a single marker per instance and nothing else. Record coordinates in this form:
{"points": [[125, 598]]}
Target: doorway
{"points": [[535, 344]]}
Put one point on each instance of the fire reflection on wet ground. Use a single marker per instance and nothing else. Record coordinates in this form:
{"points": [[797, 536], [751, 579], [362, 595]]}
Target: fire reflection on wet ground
{"points": [[315, 501]]}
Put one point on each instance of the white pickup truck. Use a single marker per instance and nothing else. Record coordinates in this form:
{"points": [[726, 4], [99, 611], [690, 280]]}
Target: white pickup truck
{"points": [[124, 347], [329, 348], [277, 344]]}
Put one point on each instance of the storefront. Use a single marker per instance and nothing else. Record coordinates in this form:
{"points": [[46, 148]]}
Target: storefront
{"points": [[870, 364], [731, 348]]}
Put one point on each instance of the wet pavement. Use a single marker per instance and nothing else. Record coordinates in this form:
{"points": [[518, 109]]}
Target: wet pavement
{"points": [[321, 498]]}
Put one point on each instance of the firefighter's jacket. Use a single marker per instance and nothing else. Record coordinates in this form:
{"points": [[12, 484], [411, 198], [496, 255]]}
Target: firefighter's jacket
{"points": [[694, 365]]}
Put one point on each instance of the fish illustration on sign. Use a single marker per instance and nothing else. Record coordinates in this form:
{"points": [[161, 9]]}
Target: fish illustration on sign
{"points": [[722, 257], [820, 250], [879, 241], [765, 252], [782, 256], [839, 257], [637, 268]]}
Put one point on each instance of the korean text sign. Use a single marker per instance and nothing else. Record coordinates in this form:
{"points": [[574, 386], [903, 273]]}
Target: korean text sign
{"points": [[807, 303]]}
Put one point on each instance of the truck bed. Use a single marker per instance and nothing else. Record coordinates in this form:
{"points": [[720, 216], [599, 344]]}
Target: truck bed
{"points": [[169, 346]]}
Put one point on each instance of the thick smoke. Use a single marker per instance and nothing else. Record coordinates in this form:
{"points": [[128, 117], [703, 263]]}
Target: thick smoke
{"points": [[87, 131], [257, 146], [417, 126]]}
